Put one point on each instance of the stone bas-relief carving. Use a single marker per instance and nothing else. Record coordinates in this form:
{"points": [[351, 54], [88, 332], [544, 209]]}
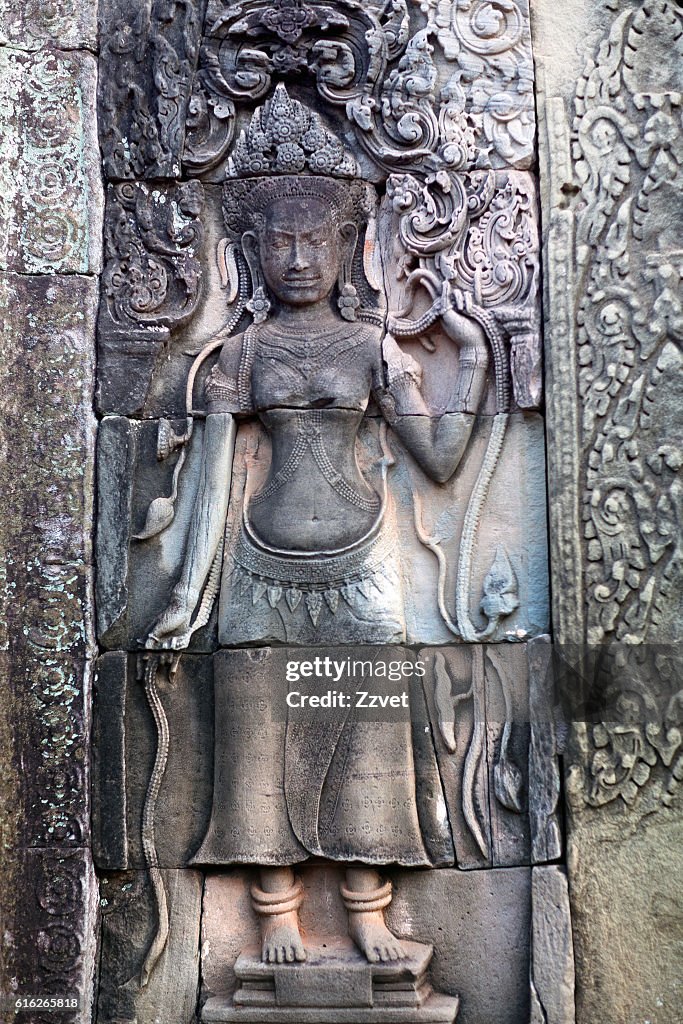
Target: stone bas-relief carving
{"points": [[458, 761], [470, 917], [48, 891], [50, 183], [134, 587], [613, 146], [152, 279], [412, 79], [469, 740], [340, 315], [429, 416]]}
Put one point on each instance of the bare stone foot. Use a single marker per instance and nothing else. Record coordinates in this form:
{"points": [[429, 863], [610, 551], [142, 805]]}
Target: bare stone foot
{"points": [[373, 938], [281, 939]]}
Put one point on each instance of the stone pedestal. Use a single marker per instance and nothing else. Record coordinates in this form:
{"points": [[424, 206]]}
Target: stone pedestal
{"points": [[336, 985]]}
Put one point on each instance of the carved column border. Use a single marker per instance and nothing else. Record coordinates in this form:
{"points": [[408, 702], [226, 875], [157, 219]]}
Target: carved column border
{"points": [[50, 256], [609, 93]]}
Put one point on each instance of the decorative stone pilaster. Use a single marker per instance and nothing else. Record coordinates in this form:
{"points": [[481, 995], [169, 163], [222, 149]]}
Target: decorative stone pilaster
{"points": [[610, 87], [50, 243]]}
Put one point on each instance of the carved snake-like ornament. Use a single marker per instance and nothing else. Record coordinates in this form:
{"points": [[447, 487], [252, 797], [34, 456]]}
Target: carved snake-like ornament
{"points": [[152, 666], [403, 328]]}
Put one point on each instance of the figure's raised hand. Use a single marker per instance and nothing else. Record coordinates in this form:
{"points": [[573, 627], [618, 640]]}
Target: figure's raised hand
{"points": [[457, 320], [453, 309]]}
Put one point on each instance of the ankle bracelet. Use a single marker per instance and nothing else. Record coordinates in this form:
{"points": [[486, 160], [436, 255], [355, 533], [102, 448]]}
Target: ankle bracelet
{"points": [[366, 902], [269, 904]]}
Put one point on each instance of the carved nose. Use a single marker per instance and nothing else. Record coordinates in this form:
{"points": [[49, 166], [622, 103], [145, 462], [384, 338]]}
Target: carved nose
{"points": [[298, 259]]}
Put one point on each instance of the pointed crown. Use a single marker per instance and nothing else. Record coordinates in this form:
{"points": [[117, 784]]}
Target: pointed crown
{"points": [[286, 137]]}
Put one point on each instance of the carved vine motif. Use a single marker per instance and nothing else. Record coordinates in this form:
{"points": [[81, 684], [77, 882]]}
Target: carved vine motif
{"points": [[152, 244], [489, 42], [636, 753], [478, 234], [365, 61], [628, 161], [348, 48]]}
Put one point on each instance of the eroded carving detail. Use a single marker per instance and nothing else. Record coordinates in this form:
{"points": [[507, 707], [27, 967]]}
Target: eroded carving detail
{"points": [[635, 753], [153, 240], [491, 93], [143, 105], [305, 549]]}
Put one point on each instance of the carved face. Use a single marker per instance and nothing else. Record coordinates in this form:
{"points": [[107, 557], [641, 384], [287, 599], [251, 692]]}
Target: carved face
{"points": [[301, 251]]}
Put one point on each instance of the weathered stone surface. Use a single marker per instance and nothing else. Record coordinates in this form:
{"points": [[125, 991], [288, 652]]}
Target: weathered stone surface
{"points": [[34, 25], [510, 544], [128, 929], [135, 577], [156, 287], [48, 365], [478, 706], [494, 261], [611, 171], [546, 743], [282, 532], [482, 788], [109, 797], [552, 952], [451, 77], [478, 922], [455, 692], [624, 882], [337, 983], [151, 285], [48, 946], [147, 64], [507, 746], [624, 835], [50, 183], [486, 53], [610, 94]]}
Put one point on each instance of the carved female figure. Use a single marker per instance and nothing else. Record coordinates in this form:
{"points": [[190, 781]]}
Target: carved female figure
{"points": [[315, 558]]}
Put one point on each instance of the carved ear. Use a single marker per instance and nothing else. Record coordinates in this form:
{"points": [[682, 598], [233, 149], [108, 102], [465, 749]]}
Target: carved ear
{"points": [[349, 233], [227, 268], [250, 248]]}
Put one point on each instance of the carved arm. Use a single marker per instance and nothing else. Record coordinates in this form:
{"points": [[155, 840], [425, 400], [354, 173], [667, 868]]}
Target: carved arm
{"points": [[174, 627], [437, 443]]}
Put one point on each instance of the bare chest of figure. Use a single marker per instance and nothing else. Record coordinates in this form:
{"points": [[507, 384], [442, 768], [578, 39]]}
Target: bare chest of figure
{"points": [[312, 367], [311, 394]]}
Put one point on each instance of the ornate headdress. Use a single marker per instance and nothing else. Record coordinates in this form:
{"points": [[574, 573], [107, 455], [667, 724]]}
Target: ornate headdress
{"points": [[286, 137]]}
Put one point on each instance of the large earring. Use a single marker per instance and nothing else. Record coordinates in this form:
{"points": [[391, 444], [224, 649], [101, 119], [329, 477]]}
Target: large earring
{"points": [[259, 304], [348, 300]]}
